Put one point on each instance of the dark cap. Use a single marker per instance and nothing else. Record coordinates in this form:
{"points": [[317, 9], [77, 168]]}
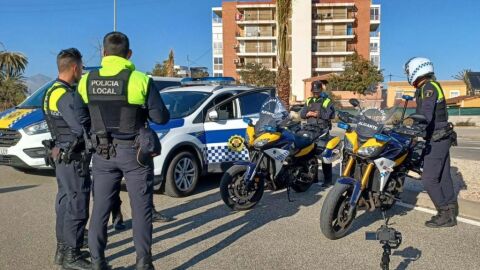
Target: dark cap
{"points": [[148, 146]]}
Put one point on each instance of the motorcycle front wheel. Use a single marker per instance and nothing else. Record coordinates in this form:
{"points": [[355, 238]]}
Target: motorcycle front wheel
{"points": [[234, 191], [334, 218]]}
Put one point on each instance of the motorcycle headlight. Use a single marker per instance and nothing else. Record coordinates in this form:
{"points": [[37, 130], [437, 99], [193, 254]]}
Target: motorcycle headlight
{"points": [[37, 128], [260, 143], [162, 133], [369, 151]]}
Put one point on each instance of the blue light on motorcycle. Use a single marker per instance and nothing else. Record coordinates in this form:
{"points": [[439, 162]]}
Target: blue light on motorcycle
{"points": [[247, 120], [270, 129], [382, 137], [343, 125], [407, 97]]}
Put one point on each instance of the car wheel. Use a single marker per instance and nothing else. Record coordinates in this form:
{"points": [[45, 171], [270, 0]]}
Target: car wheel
{"points": [[182, 175]]}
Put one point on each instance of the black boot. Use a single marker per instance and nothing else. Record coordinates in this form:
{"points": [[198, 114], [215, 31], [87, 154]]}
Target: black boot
{"points": [[446, 218], [455, 208], [118, 224], [157, 217], [145, 263], [436, 216], [100, 265], [73, 260], [59, 253]]}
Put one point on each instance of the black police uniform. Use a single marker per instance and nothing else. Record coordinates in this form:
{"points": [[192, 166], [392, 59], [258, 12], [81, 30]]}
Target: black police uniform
{"points": [[436, 176], [71, 170], [326, 112], [115, 126]]}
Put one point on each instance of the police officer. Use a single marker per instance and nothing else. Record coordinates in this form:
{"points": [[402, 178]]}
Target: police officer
{"points": [[319, 111], [120, 99], [436, 176], [67, 154]]}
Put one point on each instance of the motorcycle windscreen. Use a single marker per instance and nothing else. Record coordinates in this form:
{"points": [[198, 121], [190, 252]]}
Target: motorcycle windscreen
{"points": [[273, 113]]}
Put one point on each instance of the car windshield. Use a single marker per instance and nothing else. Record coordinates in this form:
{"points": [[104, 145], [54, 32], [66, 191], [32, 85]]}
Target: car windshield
{"points": [[183, 103], [35, 99]]}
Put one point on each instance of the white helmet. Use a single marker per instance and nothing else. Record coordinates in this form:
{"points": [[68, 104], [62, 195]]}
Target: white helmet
{"points": [[418, 67]]}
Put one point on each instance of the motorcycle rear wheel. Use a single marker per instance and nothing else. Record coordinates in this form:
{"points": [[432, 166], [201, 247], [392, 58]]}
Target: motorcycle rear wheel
{"points": [[334, 219], [234, 192]]}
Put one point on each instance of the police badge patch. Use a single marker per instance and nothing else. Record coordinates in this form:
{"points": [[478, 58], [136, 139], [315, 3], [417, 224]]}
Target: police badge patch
{"points": [[428, 93], [235, 143]]}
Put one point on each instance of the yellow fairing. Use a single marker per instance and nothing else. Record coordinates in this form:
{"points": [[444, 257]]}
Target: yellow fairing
{"points": [[400, 160], [271, 137], [352, 137], [250, 135], [332, 143], [305, 150], [372, 142]]}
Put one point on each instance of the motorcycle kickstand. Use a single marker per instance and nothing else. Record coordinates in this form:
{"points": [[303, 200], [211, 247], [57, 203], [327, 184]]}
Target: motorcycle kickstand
{"points": [[288, 194]]}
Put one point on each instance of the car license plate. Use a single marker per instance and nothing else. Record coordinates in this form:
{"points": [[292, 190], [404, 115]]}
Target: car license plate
{"points": [[3, 150]]}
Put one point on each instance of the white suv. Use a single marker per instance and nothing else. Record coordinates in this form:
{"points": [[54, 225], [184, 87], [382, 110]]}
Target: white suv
{"points": [[205, 133]]}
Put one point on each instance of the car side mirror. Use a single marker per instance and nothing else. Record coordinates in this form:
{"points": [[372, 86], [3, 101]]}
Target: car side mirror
{"points": [[213, 115], [355, 103]]}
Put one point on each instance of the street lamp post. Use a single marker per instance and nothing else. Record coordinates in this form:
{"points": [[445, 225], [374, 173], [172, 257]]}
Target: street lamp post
{"points": [[114, 15]]}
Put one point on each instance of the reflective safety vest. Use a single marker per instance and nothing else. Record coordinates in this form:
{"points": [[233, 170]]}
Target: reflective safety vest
{"points": [[325, 103], [59, 129], [441, 112], [115, 106]]}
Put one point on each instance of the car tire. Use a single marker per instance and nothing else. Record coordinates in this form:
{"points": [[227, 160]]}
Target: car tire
{"points": [[182, 175]]}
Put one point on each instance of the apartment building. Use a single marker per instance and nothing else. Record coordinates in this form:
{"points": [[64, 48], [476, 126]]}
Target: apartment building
{"points": [[322, 34]]}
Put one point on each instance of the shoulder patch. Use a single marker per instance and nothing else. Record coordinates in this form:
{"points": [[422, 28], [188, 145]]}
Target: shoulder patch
{"points": [[428, 93]]}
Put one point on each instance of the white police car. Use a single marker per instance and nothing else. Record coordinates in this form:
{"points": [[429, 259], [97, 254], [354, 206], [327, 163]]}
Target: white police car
{"points": [[23, 128], [205, 133]]}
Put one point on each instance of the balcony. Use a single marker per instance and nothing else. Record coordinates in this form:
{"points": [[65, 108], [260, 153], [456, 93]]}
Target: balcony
{"points": [[257, 53], [340, 34], [255, 35], [332, 53], [349, 17], [374, 17]]}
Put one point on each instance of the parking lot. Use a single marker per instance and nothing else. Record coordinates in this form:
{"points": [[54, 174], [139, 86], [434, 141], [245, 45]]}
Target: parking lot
{"points": [[207, 235]]}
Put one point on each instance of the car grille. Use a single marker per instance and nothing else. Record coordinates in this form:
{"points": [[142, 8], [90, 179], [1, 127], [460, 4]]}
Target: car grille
{"points": [[9, 137]]}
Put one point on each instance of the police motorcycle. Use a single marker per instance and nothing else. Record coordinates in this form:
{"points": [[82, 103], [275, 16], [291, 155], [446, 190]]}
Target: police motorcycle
{"points": [[279, 158], [375, 161]]}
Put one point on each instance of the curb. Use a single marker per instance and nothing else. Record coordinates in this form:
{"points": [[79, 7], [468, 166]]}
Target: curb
{"points": [[468, 209]]}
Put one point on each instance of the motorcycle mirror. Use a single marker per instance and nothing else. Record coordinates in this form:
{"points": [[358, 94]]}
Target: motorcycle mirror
{"points": [[248, 120], [355, 103], [407, 97], [418, 118]]}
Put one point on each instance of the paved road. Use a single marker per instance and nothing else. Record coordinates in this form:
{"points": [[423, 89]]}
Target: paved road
{"points": [[468, 142], [206, 235]]}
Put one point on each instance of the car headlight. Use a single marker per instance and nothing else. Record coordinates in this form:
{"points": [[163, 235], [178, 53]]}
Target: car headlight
{"points": [[369, 151], [260, 143], [37, 128], [162, 133]]}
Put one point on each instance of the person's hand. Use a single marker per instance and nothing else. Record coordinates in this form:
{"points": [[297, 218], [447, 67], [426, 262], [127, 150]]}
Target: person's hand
{"points": [[312, 114]]}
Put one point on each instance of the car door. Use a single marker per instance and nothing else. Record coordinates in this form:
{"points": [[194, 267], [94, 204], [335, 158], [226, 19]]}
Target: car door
{"points": [[225, 132]]}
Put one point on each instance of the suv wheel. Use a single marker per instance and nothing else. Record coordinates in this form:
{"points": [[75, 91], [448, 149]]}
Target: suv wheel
{"points": [[182, 175]]}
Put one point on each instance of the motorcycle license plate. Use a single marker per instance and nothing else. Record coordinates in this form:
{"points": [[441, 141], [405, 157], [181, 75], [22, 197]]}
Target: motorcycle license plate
{"points": [[3, 150]]}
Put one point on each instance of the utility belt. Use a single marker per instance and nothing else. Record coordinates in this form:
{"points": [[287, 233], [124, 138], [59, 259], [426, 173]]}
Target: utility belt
{"points": [[103, 146], [445, 133], [55, 154]]}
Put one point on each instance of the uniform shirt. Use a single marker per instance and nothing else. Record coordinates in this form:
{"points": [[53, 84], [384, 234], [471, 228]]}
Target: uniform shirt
{"points": [[65, 106], [427, 106], [325, 114], [112, 65]]}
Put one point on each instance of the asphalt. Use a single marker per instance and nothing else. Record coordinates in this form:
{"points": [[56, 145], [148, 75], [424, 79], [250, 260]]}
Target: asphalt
{"points": [[205, 234]]}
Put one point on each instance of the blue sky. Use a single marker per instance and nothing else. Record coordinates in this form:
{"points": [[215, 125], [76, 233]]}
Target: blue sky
{"points": [[446, 31]]}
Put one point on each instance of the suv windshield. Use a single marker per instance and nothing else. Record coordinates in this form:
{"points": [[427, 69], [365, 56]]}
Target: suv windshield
{"points": [[183, 103], [35, 100]]}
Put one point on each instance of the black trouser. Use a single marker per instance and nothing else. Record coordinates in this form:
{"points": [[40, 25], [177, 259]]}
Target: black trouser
{"points": [[436, 176], [107, 175], [71, 204], [117, 203]]}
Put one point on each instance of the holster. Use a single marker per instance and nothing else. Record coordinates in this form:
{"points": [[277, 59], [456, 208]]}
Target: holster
{"points": [[49, 145], [447, 132]]}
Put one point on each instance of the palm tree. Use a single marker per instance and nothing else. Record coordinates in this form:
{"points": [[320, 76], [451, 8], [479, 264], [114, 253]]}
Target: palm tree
{"points": [[12, 64], [170, 65], [283, 8], [462, 76]]}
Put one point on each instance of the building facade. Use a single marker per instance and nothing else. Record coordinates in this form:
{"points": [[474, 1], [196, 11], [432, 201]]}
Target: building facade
{"points": [[322, 34], [395, 90]]}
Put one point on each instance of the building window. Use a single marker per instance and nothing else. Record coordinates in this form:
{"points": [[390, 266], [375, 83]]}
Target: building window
{"points": [[454, 93], [375, 14], [375, 60], [216, 74], [218, 48], [374, 47], [218, 36], [398, 94], [218, 63], [216, 18]]}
